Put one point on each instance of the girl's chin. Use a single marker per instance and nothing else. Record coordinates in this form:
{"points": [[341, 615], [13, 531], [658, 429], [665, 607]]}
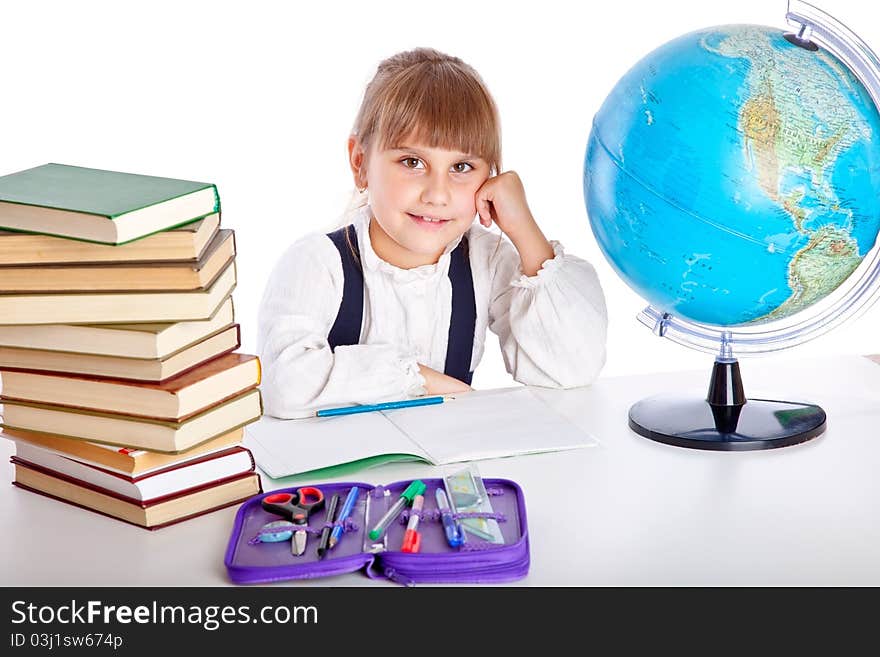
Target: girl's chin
{"points": [[427, 244]]}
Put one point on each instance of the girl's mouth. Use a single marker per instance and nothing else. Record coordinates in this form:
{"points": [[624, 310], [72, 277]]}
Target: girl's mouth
{"points": [[428, 223]]}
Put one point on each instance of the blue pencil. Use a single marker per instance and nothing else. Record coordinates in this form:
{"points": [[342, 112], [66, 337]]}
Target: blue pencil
{"points": [[365, 408], [347, 506]]}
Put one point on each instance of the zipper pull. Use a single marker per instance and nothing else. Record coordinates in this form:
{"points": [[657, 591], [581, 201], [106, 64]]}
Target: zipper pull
{"points": [[394, 576]]}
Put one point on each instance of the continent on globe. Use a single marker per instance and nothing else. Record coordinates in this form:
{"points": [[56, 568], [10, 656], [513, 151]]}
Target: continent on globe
{"points": [[831, 256]]}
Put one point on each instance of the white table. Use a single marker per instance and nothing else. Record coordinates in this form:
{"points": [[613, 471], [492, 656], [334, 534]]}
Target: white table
{"points": [[629, 512]]}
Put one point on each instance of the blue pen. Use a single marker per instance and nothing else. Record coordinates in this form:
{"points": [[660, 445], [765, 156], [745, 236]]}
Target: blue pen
{"points": [[347, 506], [453, 531], [364, 408]]}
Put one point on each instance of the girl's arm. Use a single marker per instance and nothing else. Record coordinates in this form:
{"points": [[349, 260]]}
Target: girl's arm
{"points": [[547, 308], [300, 371], [502, 200], [552, 327], [437, 383]]}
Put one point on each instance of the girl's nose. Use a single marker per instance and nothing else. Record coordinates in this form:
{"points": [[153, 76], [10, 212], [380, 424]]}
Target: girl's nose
{"points": [[436, 190]]}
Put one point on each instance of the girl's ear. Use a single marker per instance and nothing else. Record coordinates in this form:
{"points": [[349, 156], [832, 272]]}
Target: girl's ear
{"points": [[356, 159]]}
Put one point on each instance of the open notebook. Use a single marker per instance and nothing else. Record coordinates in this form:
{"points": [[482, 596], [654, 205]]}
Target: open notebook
{"points": [[473, 426]]}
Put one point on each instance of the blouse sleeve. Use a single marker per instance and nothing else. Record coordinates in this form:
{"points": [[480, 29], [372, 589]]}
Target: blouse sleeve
{"points": [[300, 372], [552, 326]]}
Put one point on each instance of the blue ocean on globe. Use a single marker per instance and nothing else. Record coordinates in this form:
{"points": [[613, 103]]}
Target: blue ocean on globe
{"points": [[732, 177]]}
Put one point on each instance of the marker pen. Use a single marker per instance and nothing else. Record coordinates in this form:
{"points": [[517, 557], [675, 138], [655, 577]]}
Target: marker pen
{"points": [[411, 538]]}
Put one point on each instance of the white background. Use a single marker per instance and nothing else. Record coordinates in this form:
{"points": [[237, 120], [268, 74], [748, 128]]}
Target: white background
{"points": [[259, 98]]}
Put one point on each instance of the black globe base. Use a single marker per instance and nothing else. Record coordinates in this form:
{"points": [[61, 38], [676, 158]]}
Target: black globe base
{"points": [[689, 422], [725, 420]]}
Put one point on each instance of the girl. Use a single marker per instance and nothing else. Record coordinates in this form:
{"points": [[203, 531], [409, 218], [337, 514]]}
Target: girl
{"points": [[397, 303]]}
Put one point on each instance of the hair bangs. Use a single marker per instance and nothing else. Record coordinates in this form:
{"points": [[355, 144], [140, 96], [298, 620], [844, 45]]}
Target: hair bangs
{"points": [[442, 105]]}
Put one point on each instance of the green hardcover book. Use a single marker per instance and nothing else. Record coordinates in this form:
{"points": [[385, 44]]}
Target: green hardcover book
{"points": [[107, 207]]}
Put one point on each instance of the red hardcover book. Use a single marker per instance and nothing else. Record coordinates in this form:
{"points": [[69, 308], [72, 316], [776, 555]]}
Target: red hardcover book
{"points": [[151, 514], [146, 487], [206, 385]]}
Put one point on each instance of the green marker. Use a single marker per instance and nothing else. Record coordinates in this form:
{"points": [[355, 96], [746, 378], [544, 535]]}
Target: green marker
{"points": [[406, 497]]}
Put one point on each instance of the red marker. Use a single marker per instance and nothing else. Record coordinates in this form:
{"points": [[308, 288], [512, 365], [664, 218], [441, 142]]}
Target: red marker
{"points": [[411, 538]]}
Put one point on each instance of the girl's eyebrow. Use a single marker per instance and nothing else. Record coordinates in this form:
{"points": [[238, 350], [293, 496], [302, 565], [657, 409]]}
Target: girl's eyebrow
{"points": [[412, 149]]}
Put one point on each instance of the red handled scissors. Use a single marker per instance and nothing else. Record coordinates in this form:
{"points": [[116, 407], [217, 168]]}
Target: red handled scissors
{"points": [[296, 507]]}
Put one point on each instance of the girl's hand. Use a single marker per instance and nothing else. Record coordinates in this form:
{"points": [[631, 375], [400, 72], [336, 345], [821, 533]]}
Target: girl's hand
{"points": [[502, 199], [437, 383]]}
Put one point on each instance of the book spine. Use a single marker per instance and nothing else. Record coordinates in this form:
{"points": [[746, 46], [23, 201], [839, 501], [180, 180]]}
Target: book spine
{"points": [[196, 514], [123, 498], [216, 199], [177, 419]]}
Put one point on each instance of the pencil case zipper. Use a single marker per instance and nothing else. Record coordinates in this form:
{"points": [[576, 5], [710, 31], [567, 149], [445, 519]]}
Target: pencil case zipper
{"points": [[340, 566], [505, 573], [491, 565]]}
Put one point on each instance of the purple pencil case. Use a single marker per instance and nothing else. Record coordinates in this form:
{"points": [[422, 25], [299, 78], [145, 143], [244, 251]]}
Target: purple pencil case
{"points": [[250, 561]]}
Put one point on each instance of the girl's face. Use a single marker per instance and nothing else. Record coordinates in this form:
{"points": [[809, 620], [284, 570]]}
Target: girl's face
{"points": [[422, 199]]}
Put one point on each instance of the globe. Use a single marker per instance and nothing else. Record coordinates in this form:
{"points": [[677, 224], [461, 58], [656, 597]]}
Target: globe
{"points": [[731, 176]]}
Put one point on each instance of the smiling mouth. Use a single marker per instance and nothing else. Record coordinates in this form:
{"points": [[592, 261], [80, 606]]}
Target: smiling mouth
{"points": [[434, 223]]}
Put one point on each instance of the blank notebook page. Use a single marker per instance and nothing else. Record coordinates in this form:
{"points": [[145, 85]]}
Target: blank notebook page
{"points": [[284, 447], [488, 425]]}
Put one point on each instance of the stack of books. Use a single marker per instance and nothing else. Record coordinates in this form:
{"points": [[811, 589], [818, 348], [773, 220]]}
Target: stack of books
{"points": [[121, 384]]}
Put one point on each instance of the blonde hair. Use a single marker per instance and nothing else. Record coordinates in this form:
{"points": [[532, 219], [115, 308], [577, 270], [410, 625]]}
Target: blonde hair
{"points": [[434, 98]]}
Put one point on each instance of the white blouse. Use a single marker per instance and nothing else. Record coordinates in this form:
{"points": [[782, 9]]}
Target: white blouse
{"points": [[551, 326]]}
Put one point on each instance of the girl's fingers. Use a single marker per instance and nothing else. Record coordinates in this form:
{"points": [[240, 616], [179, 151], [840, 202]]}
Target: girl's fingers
{"points": [[484, 212], [485, 197]]}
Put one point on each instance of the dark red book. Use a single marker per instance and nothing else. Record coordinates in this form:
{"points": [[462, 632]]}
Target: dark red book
{"points": [[194, 491], [175, 399]]}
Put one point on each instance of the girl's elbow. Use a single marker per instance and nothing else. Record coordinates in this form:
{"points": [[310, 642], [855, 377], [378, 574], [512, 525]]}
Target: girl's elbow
{"points": [[276, 403], [282, 398], [575, 371], [582, 370], [592, 367]]}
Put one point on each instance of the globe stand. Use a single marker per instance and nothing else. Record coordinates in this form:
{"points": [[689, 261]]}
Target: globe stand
{"points": [[725, 420]]}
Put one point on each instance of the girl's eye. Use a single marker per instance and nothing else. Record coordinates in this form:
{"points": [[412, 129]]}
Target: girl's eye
{"points": [[412, 163], [462, 167]]}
